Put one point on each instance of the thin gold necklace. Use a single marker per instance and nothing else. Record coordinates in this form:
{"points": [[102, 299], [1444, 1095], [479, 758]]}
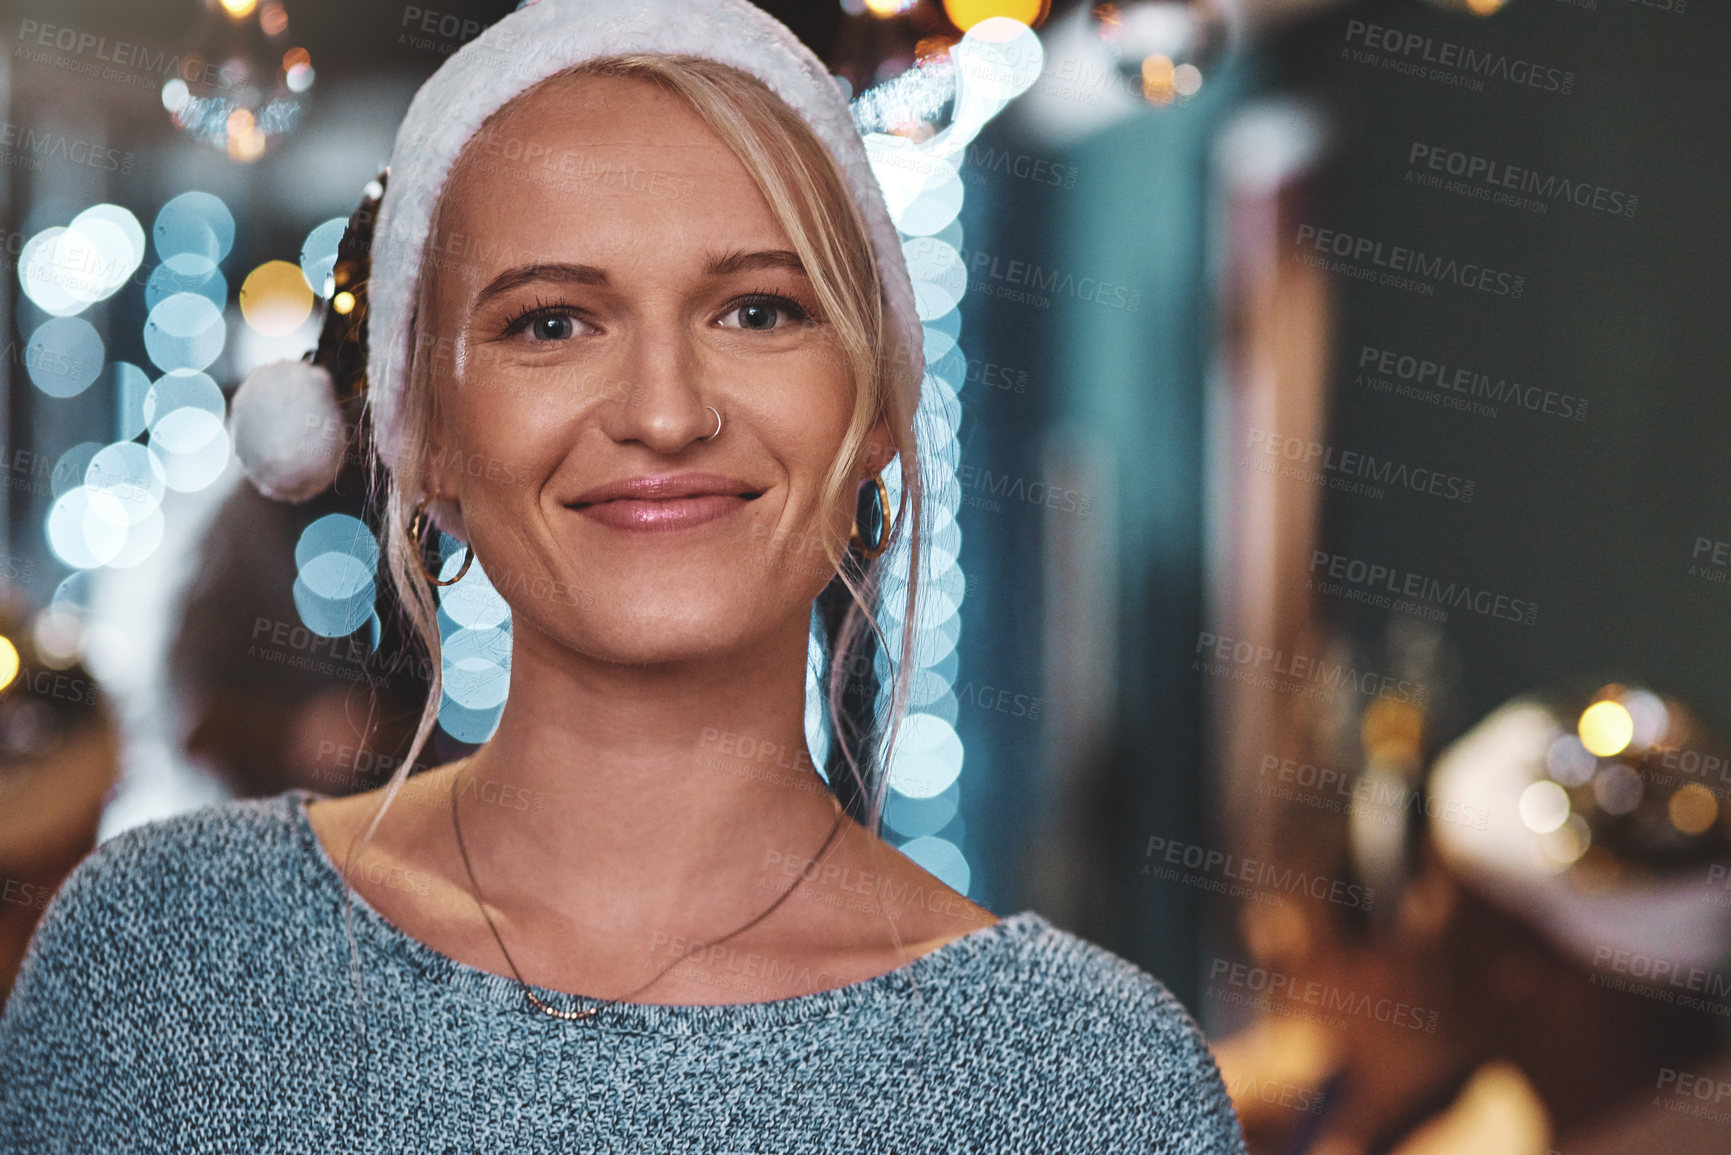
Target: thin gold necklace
{"points": [[590, 1012]]}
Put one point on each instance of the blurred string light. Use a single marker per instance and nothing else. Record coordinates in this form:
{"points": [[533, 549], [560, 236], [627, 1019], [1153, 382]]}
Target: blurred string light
{"points": [[67, 268], [336, 577], [916, 129], [242, 85], [1162, 46], [319, 255], [107, 507], [474, 648]]}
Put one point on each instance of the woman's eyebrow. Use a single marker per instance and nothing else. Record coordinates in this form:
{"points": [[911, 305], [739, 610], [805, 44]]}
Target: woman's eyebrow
{"points": [[720, 265], [564, 274], [735, 262]]}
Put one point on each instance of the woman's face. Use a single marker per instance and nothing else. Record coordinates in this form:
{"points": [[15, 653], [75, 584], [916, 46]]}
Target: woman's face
{"points": [[605, 270]]}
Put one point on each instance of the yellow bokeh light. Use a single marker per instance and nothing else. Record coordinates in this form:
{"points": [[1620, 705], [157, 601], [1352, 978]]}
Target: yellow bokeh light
{"points": [[8, 662], [239, 9], [1693, 809], [344, 302], [886, 7], [964, 14], [1606, 728], [1157, 74], [1485, 7], [275, 299]]}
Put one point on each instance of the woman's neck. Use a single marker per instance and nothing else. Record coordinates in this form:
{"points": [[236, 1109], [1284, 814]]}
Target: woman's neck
{"points": [[645, 795]]}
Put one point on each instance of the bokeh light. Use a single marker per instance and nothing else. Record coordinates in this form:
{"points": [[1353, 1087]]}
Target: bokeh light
{"points": [[1544, 806], [194, 222], [275, 299], [335, 585], [319, 255], [1605, 728], [964, 14], [64, 355], [185, 331], [1693, 809]]}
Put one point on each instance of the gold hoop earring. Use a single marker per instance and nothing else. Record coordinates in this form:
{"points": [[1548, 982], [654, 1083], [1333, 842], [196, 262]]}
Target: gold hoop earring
{"points": [[414, 531], [854, 539]]}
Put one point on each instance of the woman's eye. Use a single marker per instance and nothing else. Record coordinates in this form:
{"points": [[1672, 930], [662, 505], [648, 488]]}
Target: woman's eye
{"points": [[759, 313], [545, 325], [551, 328]]}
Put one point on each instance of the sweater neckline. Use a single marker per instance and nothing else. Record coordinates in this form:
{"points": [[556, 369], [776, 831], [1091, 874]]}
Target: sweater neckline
{"points": [[922, 978]]}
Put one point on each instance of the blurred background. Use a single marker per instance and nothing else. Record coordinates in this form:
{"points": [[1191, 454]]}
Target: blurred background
{"points": [[1334, 533]]}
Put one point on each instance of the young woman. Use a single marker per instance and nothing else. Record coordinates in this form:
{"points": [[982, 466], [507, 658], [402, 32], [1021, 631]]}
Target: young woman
{"points": [[640, 334]]}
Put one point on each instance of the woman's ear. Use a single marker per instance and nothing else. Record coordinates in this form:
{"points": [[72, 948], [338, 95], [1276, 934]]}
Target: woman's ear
{"points": [[438, 479], [880, 449]]}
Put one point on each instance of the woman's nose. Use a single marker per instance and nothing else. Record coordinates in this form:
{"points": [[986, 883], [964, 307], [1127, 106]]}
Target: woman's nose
{"points": [[662, 401]]}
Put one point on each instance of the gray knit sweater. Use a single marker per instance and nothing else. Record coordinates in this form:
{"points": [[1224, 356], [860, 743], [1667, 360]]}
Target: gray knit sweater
{"points": [[189, 990]]}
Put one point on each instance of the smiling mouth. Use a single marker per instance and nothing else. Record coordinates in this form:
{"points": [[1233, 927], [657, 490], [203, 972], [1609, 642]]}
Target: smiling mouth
{"points": [[580, 506], [664, 513]]}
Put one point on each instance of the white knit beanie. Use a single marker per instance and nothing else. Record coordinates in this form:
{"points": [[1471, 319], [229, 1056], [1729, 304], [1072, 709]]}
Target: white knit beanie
{"points": [[539, 39]]}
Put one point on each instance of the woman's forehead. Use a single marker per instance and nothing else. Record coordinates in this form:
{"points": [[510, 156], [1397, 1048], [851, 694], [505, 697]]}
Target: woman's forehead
{"points": [[647, 186]]}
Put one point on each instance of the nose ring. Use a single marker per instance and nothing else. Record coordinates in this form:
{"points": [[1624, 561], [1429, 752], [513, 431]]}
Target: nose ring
{"points": [[717, 432]]}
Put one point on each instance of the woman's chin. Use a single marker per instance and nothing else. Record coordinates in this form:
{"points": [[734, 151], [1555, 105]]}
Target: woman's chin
{"points": [[683, 633]]}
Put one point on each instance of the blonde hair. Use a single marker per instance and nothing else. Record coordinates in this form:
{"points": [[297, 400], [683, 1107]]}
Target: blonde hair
{"points": [[810, 198]]}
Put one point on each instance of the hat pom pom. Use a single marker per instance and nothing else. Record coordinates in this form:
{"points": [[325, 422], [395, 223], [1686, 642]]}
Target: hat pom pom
{"points": [[288, 430]]}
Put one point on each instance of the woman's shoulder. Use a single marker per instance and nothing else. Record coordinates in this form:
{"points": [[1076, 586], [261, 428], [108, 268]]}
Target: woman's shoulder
{"points": [[170, 887], [128, 961], [217, 851], [1119, 1054]]}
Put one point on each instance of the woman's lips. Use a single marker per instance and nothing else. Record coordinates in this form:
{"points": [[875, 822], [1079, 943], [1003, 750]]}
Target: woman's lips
{"points": [[664, 513]]}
